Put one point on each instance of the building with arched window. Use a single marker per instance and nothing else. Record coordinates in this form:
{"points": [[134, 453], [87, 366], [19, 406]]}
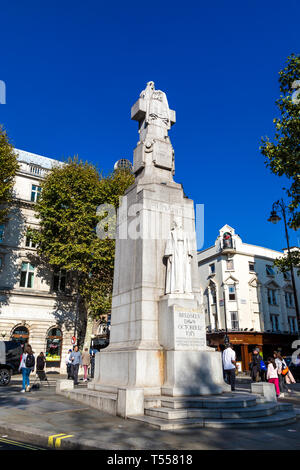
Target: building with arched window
{"points": [[246, 297], [35, 303]]}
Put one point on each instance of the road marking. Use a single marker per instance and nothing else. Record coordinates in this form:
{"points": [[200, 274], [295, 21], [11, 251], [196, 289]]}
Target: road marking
{"points": [[57, 442], [19, 444], [50, 439]]}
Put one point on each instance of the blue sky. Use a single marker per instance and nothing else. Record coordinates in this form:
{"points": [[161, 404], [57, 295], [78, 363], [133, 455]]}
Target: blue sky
{"points": [[73, 70]]}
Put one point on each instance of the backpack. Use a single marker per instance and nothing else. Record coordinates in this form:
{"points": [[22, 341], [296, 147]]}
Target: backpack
{"points": [[29, 361], [263, 365]]}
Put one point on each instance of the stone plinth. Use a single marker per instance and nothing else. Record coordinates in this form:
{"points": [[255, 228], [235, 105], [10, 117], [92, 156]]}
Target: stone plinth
{"points": [[64, 384], [191, 368], [267, 390]]}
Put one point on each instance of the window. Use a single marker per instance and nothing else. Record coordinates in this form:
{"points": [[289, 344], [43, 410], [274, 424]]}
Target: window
{"points": [[1, 232], [234, 320], [59, 281], [287, 276], [292, 324], [231, 290], [229, 265], [275, 322], [20, 334], [29, 243], [269, 270], [212, 268], [289, 299], [227, 240], [272, 299], [27, 275], [53, 345], [35, 193], [251, 267]]}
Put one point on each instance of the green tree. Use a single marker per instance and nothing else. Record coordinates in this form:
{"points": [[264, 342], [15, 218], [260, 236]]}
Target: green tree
{"points": [[282, 155], [67, 237], [8, 169]]}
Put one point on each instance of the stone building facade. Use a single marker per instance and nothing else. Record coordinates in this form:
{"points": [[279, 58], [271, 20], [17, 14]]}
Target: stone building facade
{"points": [[245, 296], [35, 304]]}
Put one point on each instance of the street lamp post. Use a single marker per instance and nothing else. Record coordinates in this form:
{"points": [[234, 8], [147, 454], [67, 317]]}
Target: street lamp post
{"points": [[274, 218]]}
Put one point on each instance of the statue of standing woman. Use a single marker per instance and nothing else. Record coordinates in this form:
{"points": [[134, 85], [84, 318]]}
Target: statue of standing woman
{"points": [[179, 254]]}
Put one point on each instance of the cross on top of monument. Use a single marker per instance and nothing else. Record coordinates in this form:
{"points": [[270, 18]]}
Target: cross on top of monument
{"points": [[153, 114]]}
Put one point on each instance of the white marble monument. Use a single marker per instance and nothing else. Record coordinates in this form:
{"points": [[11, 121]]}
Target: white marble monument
{"points": [[158, 337]]}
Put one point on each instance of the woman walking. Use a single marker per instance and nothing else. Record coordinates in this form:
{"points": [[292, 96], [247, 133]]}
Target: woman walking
{"points": [[86, 362], [26, 366], [281, 366], [272, 375]]}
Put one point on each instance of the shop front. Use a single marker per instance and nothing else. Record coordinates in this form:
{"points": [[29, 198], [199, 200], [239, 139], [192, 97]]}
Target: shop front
{"points": [[244, 344]]}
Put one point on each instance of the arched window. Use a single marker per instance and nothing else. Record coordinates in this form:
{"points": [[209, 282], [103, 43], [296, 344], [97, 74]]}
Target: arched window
{"points": [[21, 334], [53, 346]]}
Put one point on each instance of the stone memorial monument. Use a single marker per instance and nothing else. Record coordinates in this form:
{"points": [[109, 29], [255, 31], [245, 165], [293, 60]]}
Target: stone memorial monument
{"points": [[158, 335]]}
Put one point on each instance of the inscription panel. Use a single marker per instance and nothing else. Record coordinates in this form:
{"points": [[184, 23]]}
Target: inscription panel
{"points": [[189, 330]]}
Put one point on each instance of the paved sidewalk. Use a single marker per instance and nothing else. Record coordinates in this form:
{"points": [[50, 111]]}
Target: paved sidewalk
{"points": [[34, 417]]}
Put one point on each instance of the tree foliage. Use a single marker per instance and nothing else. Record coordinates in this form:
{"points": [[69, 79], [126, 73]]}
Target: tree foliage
{"points": [[282, 155], [67, 238], [8, 169]]}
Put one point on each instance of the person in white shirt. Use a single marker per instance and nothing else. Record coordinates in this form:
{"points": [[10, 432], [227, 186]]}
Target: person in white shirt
{"points": [[229, 365], [69, 364]]}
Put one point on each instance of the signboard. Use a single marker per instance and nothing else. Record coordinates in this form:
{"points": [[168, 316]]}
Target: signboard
{"points": [[189, 330], [221, 302]]}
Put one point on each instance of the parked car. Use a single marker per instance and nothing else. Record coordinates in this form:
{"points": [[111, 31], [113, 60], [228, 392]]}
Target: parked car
{"points": [[10, 355], [294, 368]]}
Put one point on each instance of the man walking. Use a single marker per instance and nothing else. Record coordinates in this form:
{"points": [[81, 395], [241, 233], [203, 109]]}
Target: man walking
{"points": [[255, 365], [76, 359], [229, 364]]}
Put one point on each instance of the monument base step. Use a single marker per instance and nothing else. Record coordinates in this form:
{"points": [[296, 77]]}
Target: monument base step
{"points": [[280, 419], [232, 410], [100, 400]]}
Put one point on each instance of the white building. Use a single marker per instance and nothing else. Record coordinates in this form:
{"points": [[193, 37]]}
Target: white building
{"points": [[35, 305], [246, 296]]}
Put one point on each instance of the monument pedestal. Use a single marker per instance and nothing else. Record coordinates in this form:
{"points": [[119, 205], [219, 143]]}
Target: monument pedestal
{"points": [[191, 368]]}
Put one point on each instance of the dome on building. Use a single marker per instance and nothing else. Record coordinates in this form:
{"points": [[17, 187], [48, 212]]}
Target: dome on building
{"points": [[123, 164]]}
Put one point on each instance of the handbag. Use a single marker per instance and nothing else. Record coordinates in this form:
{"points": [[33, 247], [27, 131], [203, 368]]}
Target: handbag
{"points": [[285, 370]]}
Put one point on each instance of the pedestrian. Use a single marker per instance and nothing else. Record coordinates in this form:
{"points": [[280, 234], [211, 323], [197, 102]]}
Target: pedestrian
{"points": [[40, 362], [282, 370], [229, 365], [255, 365], [289, 378], [69, 364], [272, 375], [76, 359], [86, 362], [26, 366], [92, 354], [263, 370]]}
